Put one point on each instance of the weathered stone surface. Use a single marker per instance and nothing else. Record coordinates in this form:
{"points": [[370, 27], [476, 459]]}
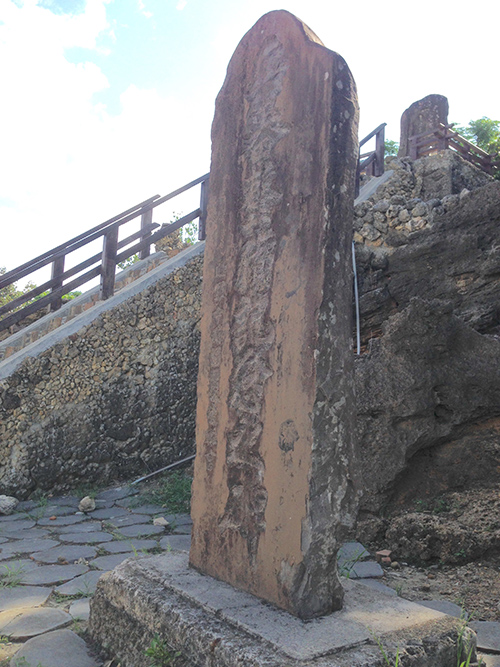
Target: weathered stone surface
{"points": [[86, 584], [9, 528], [488, 635], [445, 606], [53, 574], [61, 648], [122, 546], [180, 542], [275, 388], [142, 392], [10, 549], [441, 432], [141, 530], [106, 563], [80, 609], [117, 493], [63, 520], [110, 513], [162, 595], [8, 504], [366, 570], [422, 116], [22, 624], [86, 504], [87, 537], [21, 597], [67, 552]]}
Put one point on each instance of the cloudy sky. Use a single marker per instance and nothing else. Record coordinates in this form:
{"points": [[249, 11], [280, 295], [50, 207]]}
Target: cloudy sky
{"points": [[107, 102]]}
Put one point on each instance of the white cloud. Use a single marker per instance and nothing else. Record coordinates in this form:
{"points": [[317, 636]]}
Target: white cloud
{"points": [[66, 164], [180, 5]]}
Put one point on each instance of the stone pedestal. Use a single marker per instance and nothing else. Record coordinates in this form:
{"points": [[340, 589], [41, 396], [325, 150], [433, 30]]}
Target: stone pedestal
{"points": [[274, 483]]}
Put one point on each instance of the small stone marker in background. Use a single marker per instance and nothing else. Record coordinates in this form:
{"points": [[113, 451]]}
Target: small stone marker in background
{"points": [[274, 483], [421, 117]]}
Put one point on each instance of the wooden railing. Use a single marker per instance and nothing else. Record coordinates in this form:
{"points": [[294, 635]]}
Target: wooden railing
{"points": [[444, 137], [106, 260], [372, 163]]}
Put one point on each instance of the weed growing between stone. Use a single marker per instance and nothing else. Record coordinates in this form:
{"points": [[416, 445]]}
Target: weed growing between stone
{"points": [[11, 575], [346, 568], [161, 654], [173, 493]]}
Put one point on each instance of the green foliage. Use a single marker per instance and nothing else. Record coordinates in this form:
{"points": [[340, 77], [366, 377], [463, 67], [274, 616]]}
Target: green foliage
{"points": [[189, 233], [383, 651], [11, 292], [130, 261], [391, 147], [484, 133], [173, 493], [346, 568], [160, 653], [11, 575]]}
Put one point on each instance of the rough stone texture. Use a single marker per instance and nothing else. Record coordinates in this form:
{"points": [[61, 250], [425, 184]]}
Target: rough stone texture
{"points": [[113, 400], [53, 574], [80, 609], [204, 618], [22, 624], [86, 584], [422, 116], [488, 635], [8, 504], [275, 389], [23, 597], [61, 648], [430, 381]]}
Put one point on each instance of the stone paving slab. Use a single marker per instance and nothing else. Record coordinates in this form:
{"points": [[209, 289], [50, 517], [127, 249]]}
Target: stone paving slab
{"points": [[27, 505], [68, 552], [107, 563], [63, 520], [23, 596], [85, 584], [176, 542], [117, 494], [23, 624], [141, 530], [148, 509], [122, 546], [26, 547], [85, 527], [17, 526], [55, 649], [53, 574], [489, 660], [29, 534], [80, 609], [351, 552], [16, 516], [86, 538], [365, 570], [66, 501], [378, 586], [109, 513], [488, 635], [128, 520], [58, 510], [3, 540], [183, 530], [16, 565], [443, 606]]}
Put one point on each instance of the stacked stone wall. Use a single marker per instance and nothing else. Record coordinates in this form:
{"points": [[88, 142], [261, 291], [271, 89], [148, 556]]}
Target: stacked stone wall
{"points": [[114, 400]]}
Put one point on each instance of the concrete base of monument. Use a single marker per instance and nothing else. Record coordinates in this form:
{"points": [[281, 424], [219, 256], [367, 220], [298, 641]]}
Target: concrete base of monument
{"points": [[213, 624]]}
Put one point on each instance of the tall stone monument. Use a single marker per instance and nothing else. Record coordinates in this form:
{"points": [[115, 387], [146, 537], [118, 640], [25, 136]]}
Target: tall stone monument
{"points": [[274, 485], [422, 116]]}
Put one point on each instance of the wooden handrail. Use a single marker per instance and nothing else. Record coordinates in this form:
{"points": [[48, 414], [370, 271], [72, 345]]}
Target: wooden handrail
{"points": [[373, 159], [444, 137], [109, 257]]}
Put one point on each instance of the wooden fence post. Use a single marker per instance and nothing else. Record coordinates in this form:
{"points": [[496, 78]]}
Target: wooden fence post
{"points": [[378, 167], [109, 249], [146, 219], [57, 270], [202, 223]]}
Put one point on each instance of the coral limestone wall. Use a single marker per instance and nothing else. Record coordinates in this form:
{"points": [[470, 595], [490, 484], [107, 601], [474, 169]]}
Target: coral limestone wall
{"points": [[113, 400]]}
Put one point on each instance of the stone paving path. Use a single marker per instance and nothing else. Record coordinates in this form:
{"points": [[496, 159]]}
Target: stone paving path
{"points": [[52, 555]]}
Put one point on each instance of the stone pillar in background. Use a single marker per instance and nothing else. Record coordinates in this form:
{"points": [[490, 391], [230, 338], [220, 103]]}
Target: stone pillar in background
{"points": [[274, 484], [422, 116]]}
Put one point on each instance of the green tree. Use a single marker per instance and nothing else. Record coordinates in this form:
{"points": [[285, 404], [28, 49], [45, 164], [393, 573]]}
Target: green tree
{"points": [[484, 133], [11, 292], [391, 147]]}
